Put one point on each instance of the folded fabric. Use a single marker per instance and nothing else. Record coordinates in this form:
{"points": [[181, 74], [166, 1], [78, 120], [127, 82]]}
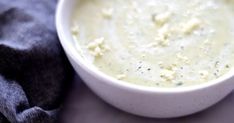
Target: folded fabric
{"points": [[34, 71]]}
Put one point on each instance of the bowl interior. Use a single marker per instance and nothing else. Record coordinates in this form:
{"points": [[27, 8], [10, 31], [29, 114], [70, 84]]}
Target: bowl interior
{"points": [[63, 22]]}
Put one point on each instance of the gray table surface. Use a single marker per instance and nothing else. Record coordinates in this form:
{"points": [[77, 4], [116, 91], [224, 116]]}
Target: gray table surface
{"points": [[83, 106]]}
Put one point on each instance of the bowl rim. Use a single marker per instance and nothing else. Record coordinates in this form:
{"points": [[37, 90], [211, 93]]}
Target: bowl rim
{"points": [[74, 55]]}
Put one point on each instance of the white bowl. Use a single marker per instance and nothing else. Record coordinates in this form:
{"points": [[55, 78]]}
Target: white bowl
{"points": [[144, 101]]}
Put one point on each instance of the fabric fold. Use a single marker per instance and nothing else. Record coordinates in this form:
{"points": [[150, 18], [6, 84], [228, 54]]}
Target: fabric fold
{"points": [[34, 71]]}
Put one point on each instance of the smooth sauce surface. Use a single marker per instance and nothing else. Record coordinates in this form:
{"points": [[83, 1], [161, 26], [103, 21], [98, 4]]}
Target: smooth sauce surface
{"points": [[164, 43]]}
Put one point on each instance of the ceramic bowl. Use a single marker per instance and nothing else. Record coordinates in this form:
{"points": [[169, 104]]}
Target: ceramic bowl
{"points": [[144, 101]]}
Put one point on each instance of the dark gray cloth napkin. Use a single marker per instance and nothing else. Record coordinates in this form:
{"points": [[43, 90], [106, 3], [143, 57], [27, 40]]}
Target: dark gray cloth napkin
{"points": [[34, 71]]}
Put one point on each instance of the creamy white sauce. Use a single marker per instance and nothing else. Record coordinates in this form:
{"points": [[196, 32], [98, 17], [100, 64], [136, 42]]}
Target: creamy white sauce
{"points": [[165, 43]]}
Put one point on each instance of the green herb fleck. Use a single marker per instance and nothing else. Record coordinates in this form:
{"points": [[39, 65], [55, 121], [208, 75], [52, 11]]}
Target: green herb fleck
{"points": [[179, 84]]}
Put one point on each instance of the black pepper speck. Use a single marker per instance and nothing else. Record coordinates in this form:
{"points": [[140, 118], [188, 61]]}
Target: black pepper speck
{"points": [[139, 68]]}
